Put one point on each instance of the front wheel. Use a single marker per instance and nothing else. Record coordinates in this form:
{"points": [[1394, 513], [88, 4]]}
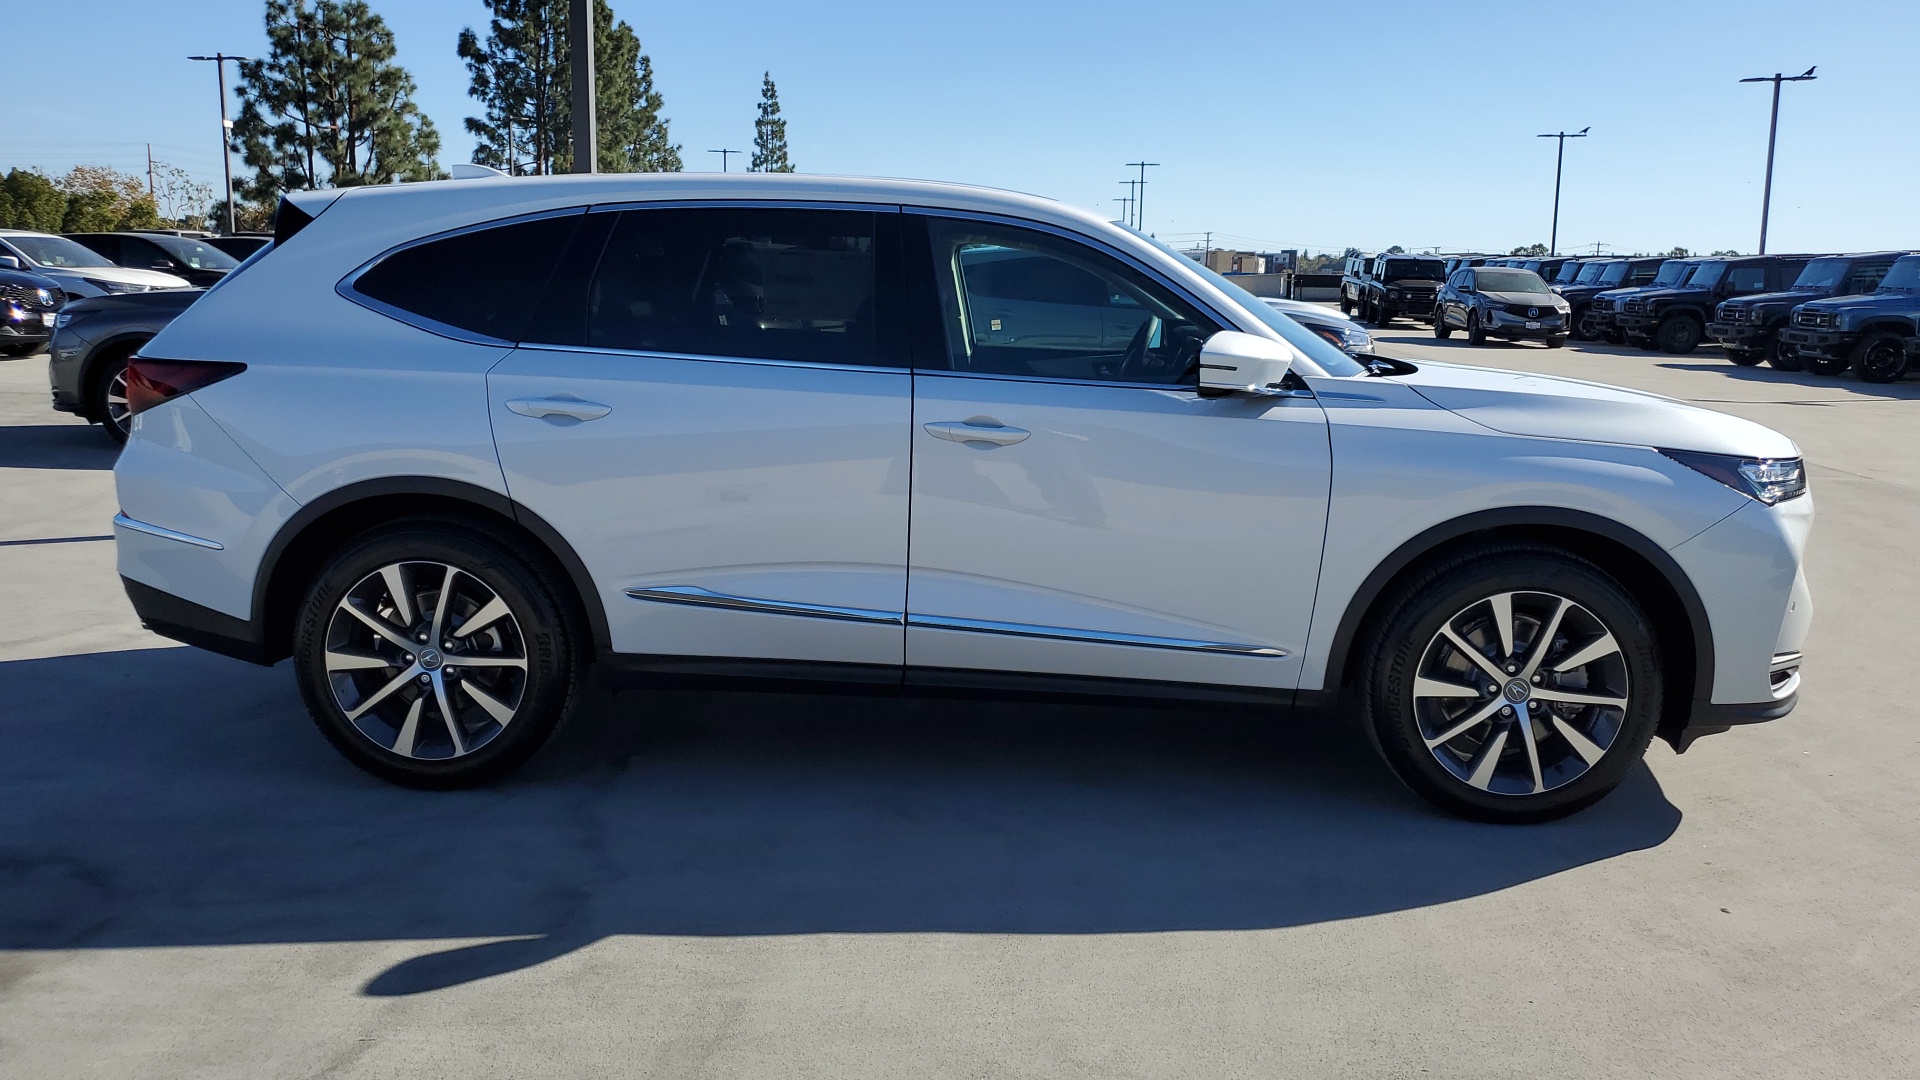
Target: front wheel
{"points": [[434, 657], [109, 404], [1881, 357], [1440, 328], [1678, 334], [1346, 306], [1475, 334], [1555, 341], [1615, 337], [1516, 684]]}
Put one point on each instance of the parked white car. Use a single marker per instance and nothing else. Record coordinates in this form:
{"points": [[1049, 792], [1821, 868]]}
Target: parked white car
{"points": [[447, 444], [79, 271]]}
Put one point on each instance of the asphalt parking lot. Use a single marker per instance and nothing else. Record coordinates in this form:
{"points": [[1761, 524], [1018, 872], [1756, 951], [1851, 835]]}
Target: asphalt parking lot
{"points": [[192, 883]]}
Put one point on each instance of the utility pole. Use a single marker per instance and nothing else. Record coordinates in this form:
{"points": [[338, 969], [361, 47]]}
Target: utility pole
{"points": [[1207, 249], [1559, 158], [723, 156], [1140, 196], [586, 135], [1133, 198], [1126, 209], [150, 171], [226, 126], [1773, 129]]}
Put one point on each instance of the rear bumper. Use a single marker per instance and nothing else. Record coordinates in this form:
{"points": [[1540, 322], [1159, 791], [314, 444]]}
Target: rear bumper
{"points": [[185, 621], [1826, 344]]}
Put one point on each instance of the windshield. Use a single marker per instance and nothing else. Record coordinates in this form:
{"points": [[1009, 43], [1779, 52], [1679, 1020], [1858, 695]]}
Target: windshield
{"points": [[55, 251], [1508, 280], [196, 254], [1672, 272], [1822, 274], [1590, 273], [1904, 277], [1418, 269], [1331, 360], [1706, 275], [1570, 272]]}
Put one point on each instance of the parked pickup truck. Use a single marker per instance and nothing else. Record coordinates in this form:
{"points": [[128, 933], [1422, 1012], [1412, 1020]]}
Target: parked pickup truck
{"points": [[1401, 285], [1747, 327], [1674, 319], [1877, 334], [1605, 306], [1353, 283]]}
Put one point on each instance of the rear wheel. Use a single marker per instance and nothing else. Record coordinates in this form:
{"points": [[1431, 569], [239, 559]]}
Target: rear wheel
{"points": [[435, 657], [1512, 685], [1678, 334], [1881, 357]]}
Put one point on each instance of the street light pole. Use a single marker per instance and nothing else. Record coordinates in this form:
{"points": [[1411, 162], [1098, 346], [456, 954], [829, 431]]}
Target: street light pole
{"points": [[1559, 158], [586, 133], [1773, 129], [226, 127]]}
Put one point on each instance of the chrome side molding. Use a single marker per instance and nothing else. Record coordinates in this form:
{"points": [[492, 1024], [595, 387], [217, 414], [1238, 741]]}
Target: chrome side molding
{"points": [[1099, 637], [695, 596], [124, 522]]}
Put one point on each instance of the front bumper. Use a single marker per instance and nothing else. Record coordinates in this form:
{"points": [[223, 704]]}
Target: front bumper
{"points": [[66, 359], [1746, 337], [1636, 325], [1513, 326], [1824, 344]]}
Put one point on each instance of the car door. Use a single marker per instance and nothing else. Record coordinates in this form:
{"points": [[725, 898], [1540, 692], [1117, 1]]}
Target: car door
{"points": [[1112, 523], [714, 411]]}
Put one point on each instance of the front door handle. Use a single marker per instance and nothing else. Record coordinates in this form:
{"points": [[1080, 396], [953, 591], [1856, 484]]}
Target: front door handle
{"points": [[978, 429], [539, 408]]}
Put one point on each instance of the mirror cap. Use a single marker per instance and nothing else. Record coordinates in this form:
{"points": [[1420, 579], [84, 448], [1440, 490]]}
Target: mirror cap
{"points": [[1233, 362], [9, 262]]}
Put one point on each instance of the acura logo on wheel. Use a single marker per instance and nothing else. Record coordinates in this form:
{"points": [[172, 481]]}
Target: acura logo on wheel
{"points": [[1517, 691], [430, 659]]}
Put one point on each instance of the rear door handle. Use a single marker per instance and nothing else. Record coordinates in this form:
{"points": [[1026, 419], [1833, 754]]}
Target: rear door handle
{"points": [[539, 408], [978, 429]]}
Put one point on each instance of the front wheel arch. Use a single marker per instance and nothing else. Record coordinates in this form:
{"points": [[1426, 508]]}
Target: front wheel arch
{"points": [[1661, 587], [323, 526]]}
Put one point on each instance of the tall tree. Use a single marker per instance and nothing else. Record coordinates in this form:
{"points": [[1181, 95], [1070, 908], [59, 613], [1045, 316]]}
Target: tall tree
{"points": [[29, 200], [770, 132], [100, 199], [328, 106], [521, 74]]}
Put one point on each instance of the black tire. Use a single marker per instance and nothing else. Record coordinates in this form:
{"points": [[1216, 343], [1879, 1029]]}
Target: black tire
{"points": [[1743, 357], [1475, 335], [1644, 344], [1679, 334], [1615, 337], [1440, 328], [1557, 340], [107, 394], [537, 695], [1379, 314], [1346, 306], [1582, 324], [1832, 367], [1406, 645], [1880, 357]]}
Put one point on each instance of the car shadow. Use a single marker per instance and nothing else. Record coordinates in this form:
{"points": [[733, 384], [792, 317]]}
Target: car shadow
{"points": [[56, 446], [169, 797]]}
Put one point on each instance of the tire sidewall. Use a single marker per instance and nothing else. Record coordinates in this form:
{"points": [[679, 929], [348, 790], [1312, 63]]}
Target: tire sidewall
{"points": [[553, 668], [1395, 654]]}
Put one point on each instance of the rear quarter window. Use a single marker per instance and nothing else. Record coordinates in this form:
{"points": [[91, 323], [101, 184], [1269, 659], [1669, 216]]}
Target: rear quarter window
{"points": [[484, 281]]}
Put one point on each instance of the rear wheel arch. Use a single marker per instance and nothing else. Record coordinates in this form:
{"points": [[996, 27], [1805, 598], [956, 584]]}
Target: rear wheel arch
{"points": [[1640, 566], [324, 526]]}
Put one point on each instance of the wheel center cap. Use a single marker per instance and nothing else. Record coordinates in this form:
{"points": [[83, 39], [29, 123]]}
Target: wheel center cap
{"points": [[1518, 691], [429, 660]]}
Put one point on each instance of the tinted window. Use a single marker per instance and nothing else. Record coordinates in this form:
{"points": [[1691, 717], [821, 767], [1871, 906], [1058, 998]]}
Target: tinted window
{"points": [[760, 284], [1415, 269], [196, 254], [57, 251], [486, 281], [1511, 280], [1866, 277], [1022, 302], [143, 254]]}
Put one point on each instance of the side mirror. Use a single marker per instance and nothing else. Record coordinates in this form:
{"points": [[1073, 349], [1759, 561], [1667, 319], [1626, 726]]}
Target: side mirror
{"points": [[9, 262], [1235, 363]]}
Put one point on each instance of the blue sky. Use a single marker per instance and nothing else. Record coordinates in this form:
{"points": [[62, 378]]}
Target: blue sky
{"points": [[1317, 124]]}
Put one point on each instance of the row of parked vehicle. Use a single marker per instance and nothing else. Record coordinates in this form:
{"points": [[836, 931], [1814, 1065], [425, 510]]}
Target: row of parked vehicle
{"points": [[40, 272], [1820, 313]]}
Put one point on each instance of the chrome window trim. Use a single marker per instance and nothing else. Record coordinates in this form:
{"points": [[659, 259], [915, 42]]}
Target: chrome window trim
{"points": [[737, 204], [346, 286], [1097, 637], [695, 596], [124, 522], [1060, 380], [819, 365]]}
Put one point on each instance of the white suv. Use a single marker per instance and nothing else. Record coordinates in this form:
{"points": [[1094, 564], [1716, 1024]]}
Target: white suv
{"points": [[448, 444]]}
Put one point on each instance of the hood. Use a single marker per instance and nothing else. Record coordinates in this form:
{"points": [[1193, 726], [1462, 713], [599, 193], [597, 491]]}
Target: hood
{"points": [[1411, 283], [164, 303], [126, 275], [1667, 292], [1897, 301], [1790, 297], [1532, 299], [1551, 407], [27, 278]]}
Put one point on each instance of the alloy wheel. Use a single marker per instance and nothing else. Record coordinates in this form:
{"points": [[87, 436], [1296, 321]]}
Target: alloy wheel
{"points": [[1882, 360], [118, 414], [426, 660], [1521, 693]]}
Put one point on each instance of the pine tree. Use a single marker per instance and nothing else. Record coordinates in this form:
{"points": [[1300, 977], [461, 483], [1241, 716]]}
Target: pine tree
{"points": [[770, 132], [328, 106], [522, 78]]}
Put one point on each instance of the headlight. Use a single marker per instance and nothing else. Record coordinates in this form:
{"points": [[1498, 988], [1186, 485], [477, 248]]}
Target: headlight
{"points": [[1356, 341], [1770, 480], [114, 286], [62, 319], [1393, 294]]}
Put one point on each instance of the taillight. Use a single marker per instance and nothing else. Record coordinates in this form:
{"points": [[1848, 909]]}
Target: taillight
{"points": [[150, 382]]}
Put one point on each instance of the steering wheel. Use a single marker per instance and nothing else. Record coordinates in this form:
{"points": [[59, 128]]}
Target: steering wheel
{"points": [[1134, 365]]}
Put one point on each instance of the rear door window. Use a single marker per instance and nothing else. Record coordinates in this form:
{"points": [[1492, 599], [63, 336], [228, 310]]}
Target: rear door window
{"points": [[1747, 279], [484, 281]]}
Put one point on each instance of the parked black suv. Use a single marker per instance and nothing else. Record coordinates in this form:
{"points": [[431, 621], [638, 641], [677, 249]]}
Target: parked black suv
{"points": [[1605, 307], [1401, 285], [1353, 282], [1746, 327], [1596, 276], [1878, 334], [199, 262], [27, 306], [92, 339], [1567, 273], [1674, 319], [1500, 301]]}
